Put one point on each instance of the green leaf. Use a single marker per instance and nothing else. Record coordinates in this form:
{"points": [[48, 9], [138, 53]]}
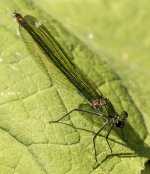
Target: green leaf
{"points": [[29, 100]]}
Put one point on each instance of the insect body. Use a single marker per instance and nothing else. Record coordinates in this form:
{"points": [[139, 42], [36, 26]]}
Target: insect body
{"points": [[48, 51]]}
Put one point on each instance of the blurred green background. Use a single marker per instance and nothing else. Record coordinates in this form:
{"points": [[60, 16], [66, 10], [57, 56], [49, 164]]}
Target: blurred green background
{"points": [[116, 30]]}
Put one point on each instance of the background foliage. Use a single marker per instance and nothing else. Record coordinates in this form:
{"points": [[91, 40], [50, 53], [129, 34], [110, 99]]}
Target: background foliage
{"points": [[115, 31]]}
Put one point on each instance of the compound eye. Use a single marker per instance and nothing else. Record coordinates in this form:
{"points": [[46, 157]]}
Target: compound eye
{"points": [[119, 124]]}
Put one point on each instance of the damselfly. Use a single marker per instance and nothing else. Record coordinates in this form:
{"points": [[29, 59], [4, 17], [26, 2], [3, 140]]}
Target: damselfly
{"points": [[48, 51]]}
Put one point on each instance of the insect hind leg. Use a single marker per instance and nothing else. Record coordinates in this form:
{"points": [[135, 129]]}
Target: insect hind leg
{"points": [[75, 110]]}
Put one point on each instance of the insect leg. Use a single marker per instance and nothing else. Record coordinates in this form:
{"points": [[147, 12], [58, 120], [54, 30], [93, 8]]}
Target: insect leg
{"points": [[94, 139], [108, 136], [78, 110]]}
